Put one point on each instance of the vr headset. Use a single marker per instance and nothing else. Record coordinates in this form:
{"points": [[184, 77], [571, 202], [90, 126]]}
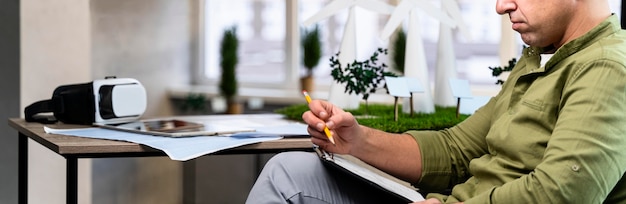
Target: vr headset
{"points": [[107, 101]]}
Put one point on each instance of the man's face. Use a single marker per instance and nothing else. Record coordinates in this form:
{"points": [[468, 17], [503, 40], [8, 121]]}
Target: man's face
{"points": [[539, 22]]}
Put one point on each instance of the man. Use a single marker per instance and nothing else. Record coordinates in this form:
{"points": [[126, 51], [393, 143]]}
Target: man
{"points": [[556, 133]]}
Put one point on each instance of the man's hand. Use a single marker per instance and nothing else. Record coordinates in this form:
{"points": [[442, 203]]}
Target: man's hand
{"points": [[342, 125], [428, 201], [395, 154], [431, 201]]}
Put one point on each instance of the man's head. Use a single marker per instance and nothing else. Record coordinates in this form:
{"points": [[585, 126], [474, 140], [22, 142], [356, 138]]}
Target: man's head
{"points": [[553, 22]]}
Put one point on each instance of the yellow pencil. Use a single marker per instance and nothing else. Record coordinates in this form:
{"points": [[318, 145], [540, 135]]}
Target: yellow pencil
{"points": [[330, 136]]}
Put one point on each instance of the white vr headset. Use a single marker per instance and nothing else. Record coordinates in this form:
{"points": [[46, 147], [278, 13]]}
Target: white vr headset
{"points": [[107, 101]]}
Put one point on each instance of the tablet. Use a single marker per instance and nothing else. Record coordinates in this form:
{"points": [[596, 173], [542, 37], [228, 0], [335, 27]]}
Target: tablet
{"points": [[173, 128]]}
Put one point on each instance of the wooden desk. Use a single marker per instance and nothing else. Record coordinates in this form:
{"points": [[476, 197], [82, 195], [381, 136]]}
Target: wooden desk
{"points": [[72, 148]]}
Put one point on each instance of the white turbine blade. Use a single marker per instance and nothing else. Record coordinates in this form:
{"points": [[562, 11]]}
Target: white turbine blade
{"points": [[434, 12], [455, 12], [375, 5], [399, 14], [328, 10]]}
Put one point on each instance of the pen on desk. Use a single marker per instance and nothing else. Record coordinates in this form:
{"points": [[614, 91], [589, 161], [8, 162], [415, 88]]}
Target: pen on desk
{"points": [[330, 136]]}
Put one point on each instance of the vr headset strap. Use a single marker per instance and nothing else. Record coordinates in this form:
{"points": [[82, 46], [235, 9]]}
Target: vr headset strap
{"points": [[32, 111]]}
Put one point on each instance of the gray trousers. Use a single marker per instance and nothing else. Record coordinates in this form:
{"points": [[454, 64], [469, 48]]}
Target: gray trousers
{"points": [[301, 177]]}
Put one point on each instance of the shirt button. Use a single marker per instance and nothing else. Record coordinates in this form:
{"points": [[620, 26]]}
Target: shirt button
{"points": [[575, 167]]}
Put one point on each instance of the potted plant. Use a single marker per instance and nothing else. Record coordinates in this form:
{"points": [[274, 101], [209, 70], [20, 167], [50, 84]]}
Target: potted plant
{"points": [[399, 51], [312, 52], [194, 103], [228, 63]]}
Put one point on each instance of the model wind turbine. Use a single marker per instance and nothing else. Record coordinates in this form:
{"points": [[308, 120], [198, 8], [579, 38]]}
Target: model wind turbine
{"points": [[347, 49], [446, 59], [415, 60]]}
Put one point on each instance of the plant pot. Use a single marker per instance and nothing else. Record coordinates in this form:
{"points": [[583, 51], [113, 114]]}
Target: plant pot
{"points": [[234, 108], [307, 83]]}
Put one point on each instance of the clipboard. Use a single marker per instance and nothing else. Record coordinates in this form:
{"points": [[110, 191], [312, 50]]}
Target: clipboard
{"points": [[370, 175], [172, 128]]}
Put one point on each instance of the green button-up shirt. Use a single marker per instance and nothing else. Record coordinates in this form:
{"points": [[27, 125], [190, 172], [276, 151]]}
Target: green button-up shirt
{"points": [[554, 134]]}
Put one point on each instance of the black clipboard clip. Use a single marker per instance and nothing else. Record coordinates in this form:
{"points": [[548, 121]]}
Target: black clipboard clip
{"points": [[323, 154]]}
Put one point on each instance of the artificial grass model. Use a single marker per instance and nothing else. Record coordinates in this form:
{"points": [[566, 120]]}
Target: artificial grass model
{"points": [[381, 116]]}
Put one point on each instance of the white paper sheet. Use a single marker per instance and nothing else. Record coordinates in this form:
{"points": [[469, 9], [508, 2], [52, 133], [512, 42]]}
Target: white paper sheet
{"points": [[180, 149]]}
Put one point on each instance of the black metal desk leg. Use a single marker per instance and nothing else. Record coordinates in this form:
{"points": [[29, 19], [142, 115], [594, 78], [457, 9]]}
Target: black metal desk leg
{"points": [[22, 169], [71, 191]]}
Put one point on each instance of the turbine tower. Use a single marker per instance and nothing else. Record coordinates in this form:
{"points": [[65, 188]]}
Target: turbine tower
{"points": [[446, 59], [415, 60]]}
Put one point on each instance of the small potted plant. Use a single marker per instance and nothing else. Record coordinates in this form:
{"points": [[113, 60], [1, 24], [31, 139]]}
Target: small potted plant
{"points": [[312, 52], [399, 51], [228, 63]]}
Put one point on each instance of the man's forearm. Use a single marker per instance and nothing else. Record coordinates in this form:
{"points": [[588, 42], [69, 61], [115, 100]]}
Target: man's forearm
{"points": [[396, 154]]}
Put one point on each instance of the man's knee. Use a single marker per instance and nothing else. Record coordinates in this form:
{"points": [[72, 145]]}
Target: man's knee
{"points": [[294, 156], [293, 160]]}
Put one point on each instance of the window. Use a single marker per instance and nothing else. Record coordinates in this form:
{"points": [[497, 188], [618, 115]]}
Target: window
{"points": [[269, 39], [261, 30]]}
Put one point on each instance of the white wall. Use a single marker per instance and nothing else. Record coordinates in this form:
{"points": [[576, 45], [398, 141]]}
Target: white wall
{"points": [[76, 41], [55, 50], [155, 42]]}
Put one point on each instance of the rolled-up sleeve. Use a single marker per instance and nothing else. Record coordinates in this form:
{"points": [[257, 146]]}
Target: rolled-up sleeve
{"points": [[446, 154]]}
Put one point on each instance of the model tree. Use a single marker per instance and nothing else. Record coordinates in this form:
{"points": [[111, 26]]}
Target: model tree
{"points": [[497, 71], [360, 77]]}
